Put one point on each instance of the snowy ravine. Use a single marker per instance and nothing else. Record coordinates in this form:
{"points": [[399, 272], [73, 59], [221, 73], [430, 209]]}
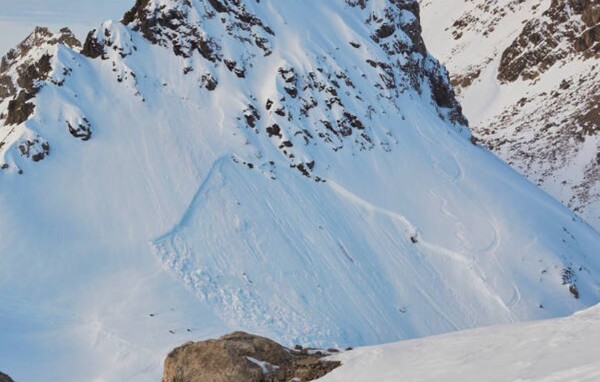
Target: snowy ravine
{"points": [[543, 351], [301, 172], [527, 73]]}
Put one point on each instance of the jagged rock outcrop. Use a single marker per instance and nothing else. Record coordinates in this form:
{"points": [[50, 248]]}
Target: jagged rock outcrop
{"points": [[211, 36], [244, 357], [5, 378], [590, 15], [26, 67], [171, 27], [24, 70]]}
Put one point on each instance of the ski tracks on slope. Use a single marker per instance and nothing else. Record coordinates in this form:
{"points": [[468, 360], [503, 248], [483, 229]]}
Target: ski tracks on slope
{"points": [[451, 169], [491, 249], [470, 266]]}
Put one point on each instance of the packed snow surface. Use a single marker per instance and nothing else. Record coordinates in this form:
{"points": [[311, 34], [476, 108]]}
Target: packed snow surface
{"points": [[555, 350], [183, 217]]}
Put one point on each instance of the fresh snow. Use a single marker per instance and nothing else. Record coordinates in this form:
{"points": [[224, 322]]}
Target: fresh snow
{"points": [[112, 249], [545, 351]]}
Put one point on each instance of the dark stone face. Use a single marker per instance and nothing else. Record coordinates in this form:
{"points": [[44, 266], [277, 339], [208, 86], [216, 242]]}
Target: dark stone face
{"points": [[588, 39], [186, 39], [590, 12], [7, 88], [19, 109], [92, 48], [30, 76]]}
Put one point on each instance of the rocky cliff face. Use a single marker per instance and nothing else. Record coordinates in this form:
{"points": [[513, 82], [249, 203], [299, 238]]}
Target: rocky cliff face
{"points": [[244, 357], [26, 68], [527, 74], [563, 30]]}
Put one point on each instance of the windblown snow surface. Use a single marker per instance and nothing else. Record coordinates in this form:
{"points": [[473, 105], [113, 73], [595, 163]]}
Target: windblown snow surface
{"points": [[183, 217], [555, 350]]}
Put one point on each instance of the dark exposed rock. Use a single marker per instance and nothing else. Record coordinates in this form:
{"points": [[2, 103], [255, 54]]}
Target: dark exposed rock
{"points": [[5, 378], [172, 27], [66, 37], [465, 80], [7, 88], [274, 130], [570, 280], [588, 39], [539, 46], [19, 109], [138, 12], [105, 40], [251, 116], [290, 79], [590, 13], [81, 130], [209, 82], [92, 48], [243, 357], [216, 4], [36, 39], [29, 74], [37, 149], [232, 66]]}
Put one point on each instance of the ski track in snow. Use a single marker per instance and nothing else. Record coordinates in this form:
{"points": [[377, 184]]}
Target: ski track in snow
{"points": [[410, 229]]}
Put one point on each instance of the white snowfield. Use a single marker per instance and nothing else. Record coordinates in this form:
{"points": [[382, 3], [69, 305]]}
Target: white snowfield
{"points": [[558, 350], [178, 220]]}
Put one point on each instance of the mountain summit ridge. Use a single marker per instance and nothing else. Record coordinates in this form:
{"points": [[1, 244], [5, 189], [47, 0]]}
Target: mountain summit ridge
{"points": [[205, 41]]}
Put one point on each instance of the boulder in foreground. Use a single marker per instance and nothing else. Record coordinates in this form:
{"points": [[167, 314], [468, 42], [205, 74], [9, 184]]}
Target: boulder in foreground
{"points": [[244, 357]]}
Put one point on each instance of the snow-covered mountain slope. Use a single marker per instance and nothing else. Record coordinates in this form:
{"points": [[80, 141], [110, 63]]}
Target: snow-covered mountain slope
{"points": [[552, 350], [527, 75], [300, 172]]}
